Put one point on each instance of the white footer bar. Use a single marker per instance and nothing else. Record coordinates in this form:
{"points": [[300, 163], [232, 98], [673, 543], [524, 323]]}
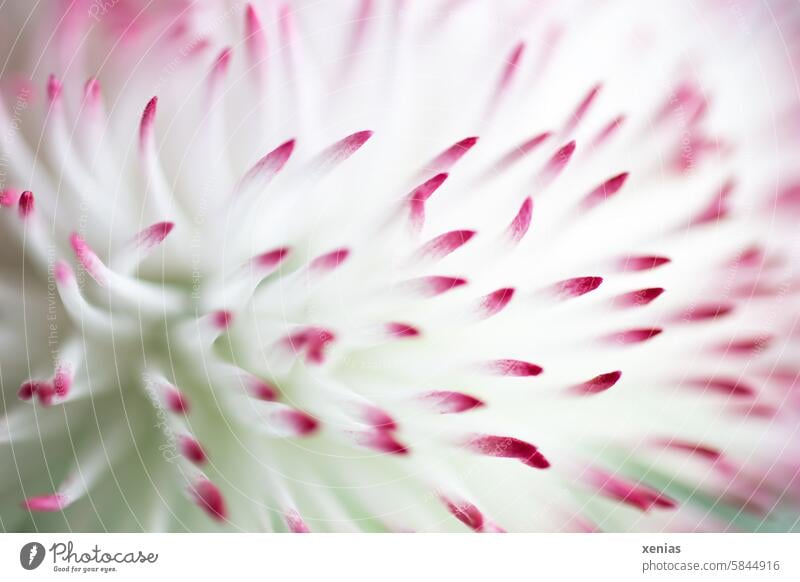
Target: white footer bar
{"points": [[406, 557]]}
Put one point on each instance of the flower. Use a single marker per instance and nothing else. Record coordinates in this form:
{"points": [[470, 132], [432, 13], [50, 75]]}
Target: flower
{"points": [[400, 265]]}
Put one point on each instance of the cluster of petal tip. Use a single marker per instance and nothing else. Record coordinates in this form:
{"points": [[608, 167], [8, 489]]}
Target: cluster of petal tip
{"points": [[447, 286]]}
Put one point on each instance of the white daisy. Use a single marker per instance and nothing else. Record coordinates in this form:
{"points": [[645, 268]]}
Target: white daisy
{"points": [[399, 265]]}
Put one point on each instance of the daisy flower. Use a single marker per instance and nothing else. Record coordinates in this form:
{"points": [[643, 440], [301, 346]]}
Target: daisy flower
{"points": [[399, 265]]}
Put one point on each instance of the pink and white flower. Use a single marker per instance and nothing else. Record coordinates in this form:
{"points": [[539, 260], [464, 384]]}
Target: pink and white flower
{"points": [[399, 265]]}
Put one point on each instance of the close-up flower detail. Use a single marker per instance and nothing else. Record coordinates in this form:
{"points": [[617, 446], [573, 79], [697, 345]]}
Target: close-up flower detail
{"points": [[399, 266]]}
